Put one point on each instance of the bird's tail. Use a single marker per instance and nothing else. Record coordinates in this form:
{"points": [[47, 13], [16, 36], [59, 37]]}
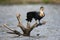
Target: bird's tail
{"points": [[27, 20]]}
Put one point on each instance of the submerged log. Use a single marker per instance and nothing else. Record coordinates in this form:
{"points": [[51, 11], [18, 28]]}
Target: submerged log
{"points": [[27, 30]]}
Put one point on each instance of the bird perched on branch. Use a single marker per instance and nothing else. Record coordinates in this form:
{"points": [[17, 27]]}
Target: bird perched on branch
{"points": [[36, 15]]}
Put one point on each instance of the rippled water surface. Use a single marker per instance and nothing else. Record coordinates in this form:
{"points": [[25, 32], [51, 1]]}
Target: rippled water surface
{"points": [[49, 31]]}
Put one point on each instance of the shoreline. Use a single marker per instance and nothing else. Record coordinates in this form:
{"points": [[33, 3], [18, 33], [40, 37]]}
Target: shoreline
{"points": [[18, 2], [29, 3]]}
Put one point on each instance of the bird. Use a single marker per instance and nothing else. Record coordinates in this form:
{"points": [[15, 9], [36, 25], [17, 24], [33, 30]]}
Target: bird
{"points": [[36, 15]]}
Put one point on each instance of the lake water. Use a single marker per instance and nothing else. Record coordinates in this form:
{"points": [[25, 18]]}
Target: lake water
{"points": [[49, 31]]}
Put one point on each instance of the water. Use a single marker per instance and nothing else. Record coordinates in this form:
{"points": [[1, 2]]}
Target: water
{"points": [[49, 31]]}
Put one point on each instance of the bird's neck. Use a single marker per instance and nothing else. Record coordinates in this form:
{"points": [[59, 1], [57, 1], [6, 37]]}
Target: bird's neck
{"points": [[41, 13]]}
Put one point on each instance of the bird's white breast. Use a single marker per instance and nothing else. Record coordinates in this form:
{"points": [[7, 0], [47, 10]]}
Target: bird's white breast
{"points": [[41, 13]]}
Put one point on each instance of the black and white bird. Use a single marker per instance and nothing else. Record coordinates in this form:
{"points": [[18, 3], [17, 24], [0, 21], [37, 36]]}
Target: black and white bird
{"points": [[36, 15]]}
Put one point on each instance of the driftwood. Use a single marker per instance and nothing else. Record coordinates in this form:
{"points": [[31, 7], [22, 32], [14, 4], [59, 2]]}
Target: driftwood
{"points": [[13, 31], [27, 30]]}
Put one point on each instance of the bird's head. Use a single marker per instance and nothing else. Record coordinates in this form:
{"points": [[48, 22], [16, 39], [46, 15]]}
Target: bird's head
{"points": [[41, 8]]}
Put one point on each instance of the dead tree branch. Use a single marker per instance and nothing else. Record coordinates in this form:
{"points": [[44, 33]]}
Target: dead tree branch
{"points": [[28, 25], [33, 26], [19, 22], [13, 31], [5, 25]]}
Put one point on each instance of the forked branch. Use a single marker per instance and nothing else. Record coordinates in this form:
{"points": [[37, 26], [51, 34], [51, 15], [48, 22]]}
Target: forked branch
{"points": [[13, 31], [5, 25]]}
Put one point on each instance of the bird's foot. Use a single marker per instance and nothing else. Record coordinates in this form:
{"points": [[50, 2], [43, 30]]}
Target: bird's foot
{"points": [[44, 22]]}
